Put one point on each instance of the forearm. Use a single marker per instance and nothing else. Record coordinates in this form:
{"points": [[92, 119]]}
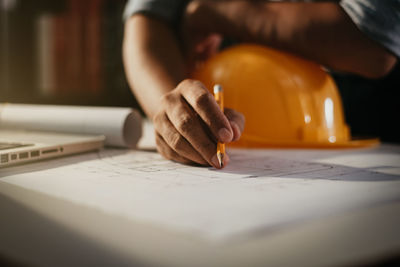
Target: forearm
{"points": [[321, 32], [153, 61]]}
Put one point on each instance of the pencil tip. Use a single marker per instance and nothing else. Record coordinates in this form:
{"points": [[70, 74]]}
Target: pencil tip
{"points": [[220, 160]]}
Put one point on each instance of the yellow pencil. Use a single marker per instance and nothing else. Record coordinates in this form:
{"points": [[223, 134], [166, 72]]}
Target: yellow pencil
{"points": [[219, 97]]}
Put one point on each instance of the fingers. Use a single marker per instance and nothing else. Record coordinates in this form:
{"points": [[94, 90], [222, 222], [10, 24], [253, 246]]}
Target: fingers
{"points": [[190, 126], [172, 139], [168, 153], [207, 47], [203, 103], [237, 121], [190, 123]]}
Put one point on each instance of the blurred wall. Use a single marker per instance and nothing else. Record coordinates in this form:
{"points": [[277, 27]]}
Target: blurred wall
{"points": [[63, 52]]}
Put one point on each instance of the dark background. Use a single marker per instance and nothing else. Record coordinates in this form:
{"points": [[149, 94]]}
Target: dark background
{"points": [[372, 107], [81, 38]]}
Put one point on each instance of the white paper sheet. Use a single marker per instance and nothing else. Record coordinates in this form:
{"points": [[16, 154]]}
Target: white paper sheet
{"points": [[121, 126], [260, 191]]}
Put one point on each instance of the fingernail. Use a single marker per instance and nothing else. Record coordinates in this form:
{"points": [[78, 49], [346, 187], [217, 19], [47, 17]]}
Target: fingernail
{"points": [[225, 135], [215, 162]]}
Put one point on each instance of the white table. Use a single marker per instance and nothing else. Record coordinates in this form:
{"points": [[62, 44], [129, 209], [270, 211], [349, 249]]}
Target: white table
{"points": [[46, 229]]}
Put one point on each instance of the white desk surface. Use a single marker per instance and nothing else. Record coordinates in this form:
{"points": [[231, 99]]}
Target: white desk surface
{"points": [[54, 228]]}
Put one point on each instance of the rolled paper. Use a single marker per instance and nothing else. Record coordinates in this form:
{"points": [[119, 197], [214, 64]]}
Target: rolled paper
{"points": [[122, 127]]}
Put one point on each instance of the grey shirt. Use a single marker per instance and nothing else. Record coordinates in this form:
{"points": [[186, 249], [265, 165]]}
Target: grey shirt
{"points": [[169, 10], [378, 19]]}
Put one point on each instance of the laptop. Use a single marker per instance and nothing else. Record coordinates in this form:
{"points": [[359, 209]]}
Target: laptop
{"points": [[20, 146]]}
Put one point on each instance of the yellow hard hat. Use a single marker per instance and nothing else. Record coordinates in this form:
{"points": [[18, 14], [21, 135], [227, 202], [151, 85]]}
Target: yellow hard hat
{"points": [[287, 101]]}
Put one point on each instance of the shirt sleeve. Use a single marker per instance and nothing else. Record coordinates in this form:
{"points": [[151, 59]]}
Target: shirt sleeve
{"points": [[378, 19], [169, 10]]}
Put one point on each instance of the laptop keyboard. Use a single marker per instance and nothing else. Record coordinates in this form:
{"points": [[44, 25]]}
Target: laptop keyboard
{"points": [[4, 145]]}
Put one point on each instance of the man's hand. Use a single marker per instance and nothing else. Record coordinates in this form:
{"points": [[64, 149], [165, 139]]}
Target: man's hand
{"points": [[189, 123]]}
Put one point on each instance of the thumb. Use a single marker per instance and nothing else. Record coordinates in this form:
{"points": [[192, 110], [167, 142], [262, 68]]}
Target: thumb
{"points": [[237, 121]]}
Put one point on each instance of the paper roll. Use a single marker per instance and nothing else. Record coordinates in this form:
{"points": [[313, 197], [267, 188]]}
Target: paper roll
{"points": [[122, 127]]}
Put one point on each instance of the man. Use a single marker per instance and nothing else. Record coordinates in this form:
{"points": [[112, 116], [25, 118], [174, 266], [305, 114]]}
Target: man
{"points": [[165, 39]]}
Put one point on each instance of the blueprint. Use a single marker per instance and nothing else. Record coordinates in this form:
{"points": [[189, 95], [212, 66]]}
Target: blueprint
{"points": [[260, 191]]}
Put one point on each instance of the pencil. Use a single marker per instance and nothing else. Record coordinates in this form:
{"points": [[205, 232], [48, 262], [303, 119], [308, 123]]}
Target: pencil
{"points": [[219, 97]]}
